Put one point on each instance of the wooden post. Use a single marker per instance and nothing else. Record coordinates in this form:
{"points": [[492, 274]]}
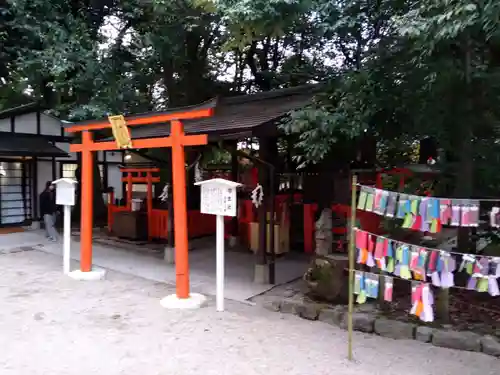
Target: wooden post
{"points": [[149, 203], [129, 191], [87, 198], [180, 210], [111, 202], [351, 265], [263, 209], [234, 177]]}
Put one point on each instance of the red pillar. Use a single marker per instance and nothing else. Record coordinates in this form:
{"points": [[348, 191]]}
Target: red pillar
{"points": [[180, 210], [87, 203]]}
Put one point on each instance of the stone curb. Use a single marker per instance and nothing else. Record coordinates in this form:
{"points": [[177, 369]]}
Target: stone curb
{"points": [[371, 323], [13, 250]]}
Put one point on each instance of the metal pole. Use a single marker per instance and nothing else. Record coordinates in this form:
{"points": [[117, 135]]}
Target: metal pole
{"points": [[67, 239], [220, 262], [351, 266]]}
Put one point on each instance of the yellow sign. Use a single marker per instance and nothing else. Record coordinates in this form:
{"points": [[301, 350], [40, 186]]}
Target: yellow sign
{"points": [[120, 131]]}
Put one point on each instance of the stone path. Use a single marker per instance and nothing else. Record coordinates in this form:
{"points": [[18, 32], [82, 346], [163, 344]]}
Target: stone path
{"points": [[50, 324]]}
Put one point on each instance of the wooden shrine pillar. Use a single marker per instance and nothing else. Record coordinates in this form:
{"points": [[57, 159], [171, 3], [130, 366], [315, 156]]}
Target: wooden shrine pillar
{"points": [[267, 153], [87, 197], [234, 230], [130, 188]]}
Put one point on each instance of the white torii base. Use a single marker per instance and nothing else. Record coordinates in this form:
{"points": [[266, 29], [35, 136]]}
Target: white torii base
{"points": [[195, 301], [95, 274]]}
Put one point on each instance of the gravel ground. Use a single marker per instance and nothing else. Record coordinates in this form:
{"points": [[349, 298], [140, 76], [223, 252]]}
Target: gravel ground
{"points": [[50, 324]]}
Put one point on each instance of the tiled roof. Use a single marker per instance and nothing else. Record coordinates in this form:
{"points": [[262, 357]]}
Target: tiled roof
{"points": [[26, 145], [20, 110], [238, 116]]}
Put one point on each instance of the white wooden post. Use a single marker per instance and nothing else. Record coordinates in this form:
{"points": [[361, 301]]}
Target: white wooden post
{"points": [[220, 262], [67, 239], [218, 197], [65, 196]]}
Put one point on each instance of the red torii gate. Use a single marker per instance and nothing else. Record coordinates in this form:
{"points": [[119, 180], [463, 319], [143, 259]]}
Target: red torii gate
{"points": [[177, 140], [144, 176], [148, 179]]}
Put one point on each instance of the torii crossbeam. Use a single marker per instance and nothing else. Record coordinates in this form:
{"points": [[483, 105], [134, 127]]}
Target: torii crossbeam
{"points": [[177, 141]]}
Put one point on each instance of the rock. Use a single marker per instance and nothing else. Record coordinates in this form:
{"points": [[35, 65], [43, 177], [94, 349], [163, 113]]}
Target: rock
{"points": [[289, 306], [424, 334], [457, 340], [332, 316], [366, 308], [327, 278], [490, 345], [394, 329], [360, 322], [289, 293], [274, 305], [308, 311], [39, 316]]}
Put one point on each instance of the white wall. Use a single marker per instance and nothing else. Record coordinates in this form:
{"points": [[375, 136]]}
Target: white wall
{"points": [[48, 125], [136, 159], [26, 123], [5, 125], [65, 148], [114, 180], [114, 156]]}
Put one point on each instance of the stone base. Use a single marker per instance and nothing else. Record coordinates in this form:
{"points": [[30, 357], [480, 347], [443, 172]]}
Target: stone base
{"points": [[232, 241], [35, 225], [95, 274], [261, 274], [195, 301], [169, 255]]}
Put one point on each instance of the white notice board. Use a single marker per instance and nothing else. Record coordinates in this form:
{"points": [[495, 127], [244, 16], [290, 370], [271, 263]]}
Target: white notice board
{"points": [[65, 195], [217, 199]]}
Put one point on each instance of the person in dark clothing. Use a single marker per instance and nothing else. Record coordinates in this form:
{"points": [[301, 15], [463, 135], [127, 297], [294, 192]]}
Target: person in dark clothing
{"points": [[48, 211]]}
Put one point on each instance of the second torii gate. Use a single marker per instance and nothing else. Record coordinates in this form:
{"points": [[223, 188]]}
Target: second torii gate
{"points": [[144, 176], [177, 140]]}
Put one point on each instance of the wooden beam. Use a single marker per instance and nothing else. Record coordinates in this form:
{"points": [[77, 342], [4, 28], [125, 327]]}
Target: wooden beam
{"points": [[186, 140], [194, 140], [153, 119], [141, 179], [139, 170], [138, 143]]}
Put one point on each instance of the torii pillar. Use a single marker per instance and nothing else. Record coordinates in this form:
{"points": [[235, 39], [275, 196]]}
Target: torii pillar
{"points": [[177, 141]]}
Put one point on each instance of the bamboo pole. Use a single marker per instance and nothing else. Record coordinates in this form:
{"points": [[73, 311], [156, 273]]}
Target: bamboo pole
{"points": [[351, 266]]}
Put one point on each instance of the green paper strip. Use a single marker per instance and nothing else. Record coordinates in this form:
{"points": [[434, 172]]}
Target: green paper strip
{"points": [[405, 272], [468, 268], [415, 203], [399, 254], [482, 285], [362, 200], [407, 221], [361, 297], [390, 265], [369, 201]]}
